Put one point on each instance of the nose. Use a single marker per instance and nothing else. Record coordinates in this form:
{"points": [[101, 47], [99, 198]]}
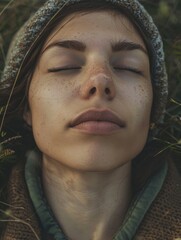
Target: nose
{"points": [[100, 84]]}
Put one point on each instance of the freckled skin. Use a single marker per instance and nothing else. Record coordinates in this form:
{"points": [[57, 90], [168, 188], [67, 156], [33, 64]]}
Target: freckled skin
{"points": [[56, 98]]}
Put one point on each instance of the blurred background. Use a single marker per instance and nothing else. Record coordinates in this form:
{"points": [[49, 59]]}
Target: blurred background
{"points": [[167, 16]]}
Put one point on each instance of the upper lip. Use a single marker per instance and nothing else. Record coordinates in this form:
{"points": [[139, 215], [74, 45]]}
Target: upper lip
{"points": [[97, 115]]}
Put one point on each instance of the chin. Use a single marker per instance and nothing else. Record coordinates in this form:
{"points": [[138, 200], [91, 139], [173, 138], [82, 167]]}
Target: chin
{"points": [[89, 161], [94, 154]]}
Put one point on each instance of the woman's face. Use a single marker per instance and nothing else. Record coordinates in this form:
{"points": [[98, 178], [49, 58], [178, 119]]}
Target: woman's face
{"points": [[91, 95]]}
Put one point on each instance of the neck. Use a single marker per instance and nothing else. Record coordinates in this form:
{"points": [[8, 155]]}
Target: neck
{"points": [[87, 205]]}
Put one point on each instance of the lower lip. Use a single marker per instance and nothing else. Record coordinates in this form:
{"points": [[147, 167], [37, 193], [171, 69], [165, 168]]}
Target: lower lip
{"points": [[97, 127]]}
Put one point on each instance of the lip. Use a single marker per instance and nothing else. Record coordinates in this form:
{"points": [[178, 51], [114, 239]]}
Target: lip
{"points": [[97, 121]]}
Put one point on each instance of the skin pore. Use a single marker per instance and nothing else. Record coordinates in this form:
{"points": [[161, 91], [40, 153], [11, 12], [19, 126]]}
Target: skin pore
{"points": [[95, 61]]}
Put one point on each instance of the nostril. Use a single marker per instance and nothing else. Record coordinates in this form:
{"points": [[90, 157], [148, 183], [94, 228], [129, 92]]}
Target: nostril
{"points": [[107, 91], [93, 90]]}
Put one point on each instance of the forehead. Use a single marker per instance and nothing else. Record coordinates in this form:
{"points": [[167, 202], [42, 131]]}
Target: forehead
{"points": [[91, 27]]}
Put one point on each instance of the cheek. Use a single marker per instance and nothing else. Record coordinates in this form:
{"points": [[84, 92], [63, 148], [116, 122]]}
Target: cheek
{"points": [[143, 99], [139, 107], [48, 108], [140, 98], [49, 95]]}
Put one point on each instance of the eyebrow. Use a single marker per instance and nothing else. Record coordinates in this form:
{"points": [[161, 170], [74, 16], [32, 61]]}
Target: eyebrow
{"points": [[69, 44], [127, 46], [80, 46]]}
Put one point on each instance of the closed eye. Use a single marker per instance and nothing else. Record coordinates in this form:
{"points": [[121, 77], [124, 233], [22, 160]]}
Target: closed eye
{"points": [[61, 69], [129, 69]]}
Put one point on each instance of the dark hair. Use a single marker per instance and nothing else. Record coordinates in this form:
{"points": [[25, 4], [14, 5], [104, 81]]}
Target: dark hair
{"points": [[14, 122]]}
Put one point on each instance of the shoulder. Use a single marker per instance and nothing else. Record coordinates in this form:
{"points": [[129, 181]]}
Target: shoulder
{"points": [[21, 221], [163, 219]]}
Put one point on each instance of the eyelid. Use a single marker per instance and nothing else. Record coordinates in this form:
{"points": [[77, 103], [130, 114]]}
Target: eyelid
{"points": [[131, 69], [121, 68], [65, 68]]}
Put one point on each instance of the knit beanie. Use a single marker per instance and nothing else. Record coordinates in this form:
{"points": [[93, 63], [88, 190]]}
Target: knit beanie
{"points": [[27, 35]]}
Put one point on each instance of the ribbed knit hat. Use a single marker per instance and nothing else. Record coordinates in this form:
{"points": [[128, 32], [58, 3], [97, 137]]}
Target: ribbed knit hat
{"points": [[35, 25]]}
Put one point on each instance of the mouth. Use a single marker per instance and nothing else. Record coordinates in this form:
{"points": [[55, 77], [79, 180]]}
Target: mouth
{"points": [[96, 121]]}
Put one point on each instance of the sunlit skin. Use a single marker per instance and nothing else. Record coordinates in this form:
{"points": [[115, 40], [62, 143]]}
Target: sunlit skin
{"points": [[88, 65]]}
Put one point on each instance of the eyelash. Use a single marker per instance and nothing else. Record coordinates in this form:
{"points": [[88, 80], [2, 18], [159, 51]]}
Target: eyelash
{"points": [[131, 69], [134, 70], [63, 69]]}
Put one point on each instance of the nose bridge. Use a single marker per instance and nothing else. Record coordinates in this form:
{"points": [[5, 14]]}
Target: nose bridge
{"points": [[99, 72]]}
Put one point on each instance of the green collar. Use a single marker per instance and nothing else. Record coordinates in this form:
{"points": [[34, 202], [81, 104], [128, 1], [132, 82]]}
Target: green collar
{"points": [[133, 218]]}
